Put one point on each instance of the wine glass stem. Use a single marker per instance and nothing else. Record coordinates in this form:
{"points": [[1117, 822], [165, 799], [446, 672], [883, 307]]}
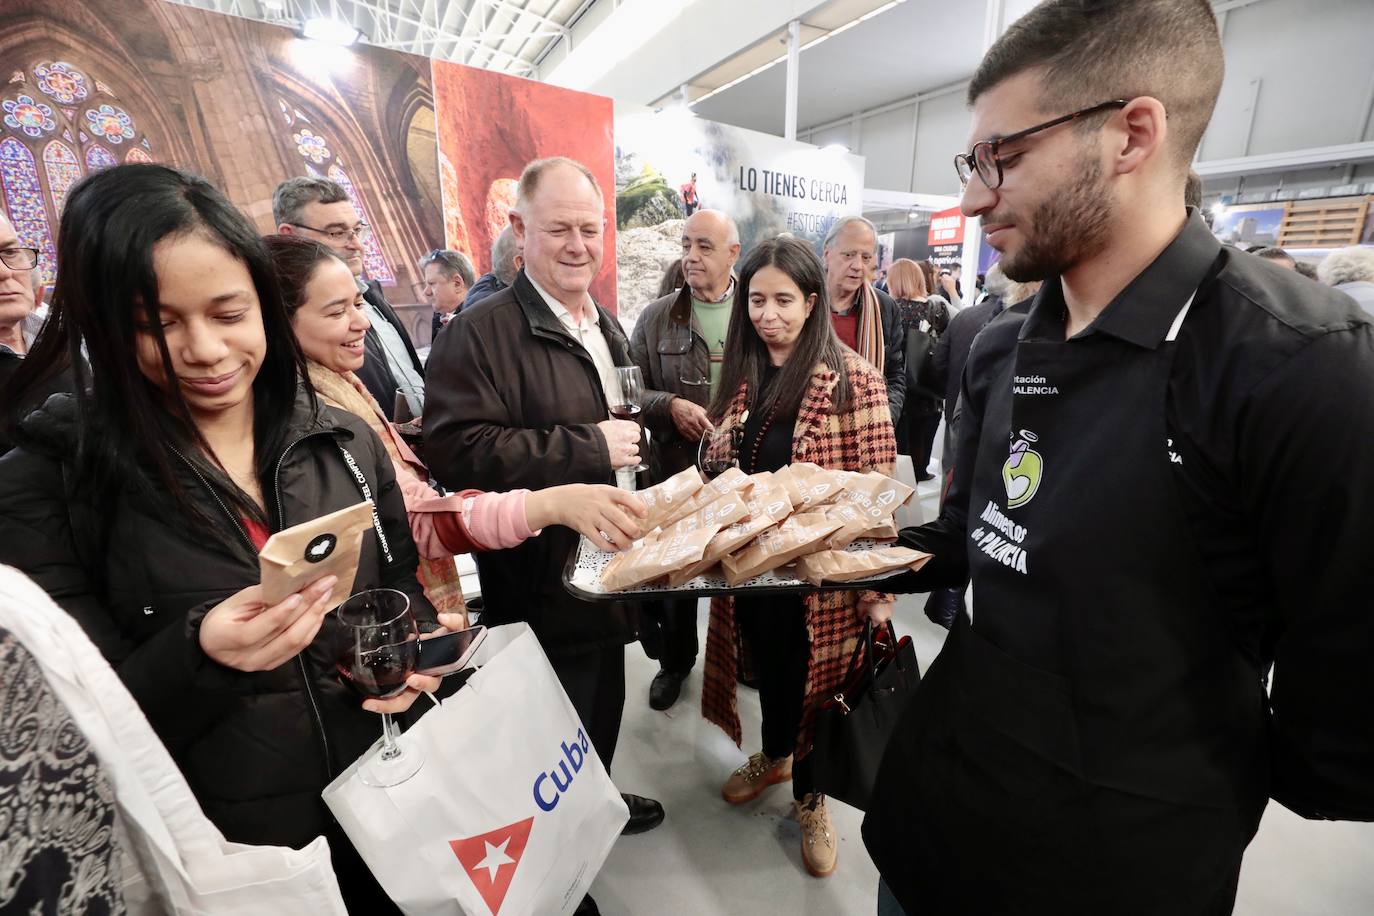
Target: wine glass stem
{"points": [[390, 749]]}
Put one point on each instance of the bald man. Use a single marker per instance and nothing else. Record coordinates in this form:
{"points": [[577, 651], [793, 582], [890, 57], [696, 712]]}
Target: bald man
{"points": [[678, 344]]}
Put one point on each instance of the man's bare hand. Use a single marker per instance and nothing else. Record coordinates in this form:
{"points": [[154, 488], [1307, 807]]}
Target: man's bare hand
{"points": [[689, 418], [622, 440]]}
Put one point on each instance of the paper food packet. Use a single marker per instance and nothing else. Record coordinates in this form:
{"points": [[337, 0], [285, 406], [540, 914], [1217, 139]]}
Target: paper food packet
{"points": [[886, 531], [768, 497], [847, 566], [296, 556], [655, 559], [663, 500], [790, 479], [726, 541], [822, 488], [722, 513], [732, 481], [777, 546], [874, 497]]}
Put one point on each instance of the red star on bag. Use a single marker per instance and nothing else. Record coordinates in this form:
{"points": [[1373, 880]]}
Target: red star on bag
{"points": [[492, 858]]}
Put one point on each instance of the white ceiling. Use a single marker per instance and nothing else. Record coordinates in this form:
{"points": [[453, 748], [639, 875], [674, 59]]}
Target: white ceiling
{"points": [[914, 47], [510, 36]]}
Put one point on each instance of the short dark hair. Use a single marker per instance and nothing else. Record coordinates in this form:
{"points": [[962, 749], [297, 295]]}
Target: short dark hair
{"points": [[1275, 254], [294, 259], [746, 355], [293, 194], [450, 262], [1095, 50], [1192, 190]]}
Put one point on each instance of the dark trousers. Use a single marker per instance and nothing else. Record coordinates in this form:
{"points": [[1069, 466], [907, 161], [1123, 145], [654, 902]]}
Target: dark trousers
{"points": [[675, 640], [774, 630], [595, 684], [916, 435]]}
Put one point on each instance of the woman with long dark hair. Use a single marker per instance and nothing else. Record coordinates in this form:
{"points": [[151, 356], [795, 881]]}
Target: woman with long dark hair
{"points": [[790, 391], [329, 321], [140, 503]]}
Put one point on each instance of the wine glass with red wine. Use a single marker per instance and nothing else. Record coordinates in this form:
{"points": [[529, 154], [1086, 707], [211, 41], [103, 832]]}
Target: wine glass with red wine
{"points": [[631, 400], [379, 652]]}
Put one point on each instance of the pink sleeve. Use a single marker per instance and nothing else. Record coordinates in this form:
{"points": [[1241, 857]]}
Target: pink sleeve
{"points": [[497, 520], [423, 505]]}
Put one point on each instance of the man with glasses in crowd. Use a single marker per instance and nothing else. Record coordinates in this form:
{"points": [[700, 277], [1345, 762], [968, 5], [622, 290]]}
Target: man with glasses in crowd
{"points": [[447, 276], [319, 209], [1160, 489], [678, 343], [865, 319], [20, 290]]}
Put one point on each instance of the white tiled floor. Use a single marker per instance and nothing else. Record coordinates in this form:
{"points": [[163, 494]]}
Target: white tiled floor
{"points": [[711, 859]]}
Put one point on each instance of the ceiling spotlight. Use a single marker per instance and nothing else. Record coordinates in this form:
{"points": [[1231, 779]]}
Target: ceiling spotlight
{"points": [[330, 31]]}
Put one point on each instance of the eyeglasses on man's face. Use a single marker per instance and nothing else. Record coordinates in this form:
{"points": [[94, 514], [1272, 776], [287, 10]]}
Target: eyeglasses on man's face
{"points": [[985, 160], [18, 258], [361, 232]]}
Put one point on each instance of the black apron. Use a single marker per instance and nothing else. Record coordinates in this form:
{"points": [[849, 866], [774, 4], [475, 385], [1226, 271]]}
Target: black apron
{"points": [[1092, 742]]}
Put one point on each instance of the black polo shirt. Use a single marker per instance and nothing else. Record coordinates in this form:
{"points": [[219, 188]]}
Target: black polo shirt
{"points": [[1270, 419]]}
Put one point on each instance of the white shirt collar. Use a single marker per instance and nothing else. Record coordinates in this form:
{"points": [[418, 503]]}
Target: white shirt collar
{"points": [[591, 318]]}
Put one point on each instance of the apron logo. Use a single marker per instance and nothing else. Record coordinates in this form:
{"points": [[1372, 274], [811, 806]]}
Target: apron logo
{"points": [[1021, 473]]}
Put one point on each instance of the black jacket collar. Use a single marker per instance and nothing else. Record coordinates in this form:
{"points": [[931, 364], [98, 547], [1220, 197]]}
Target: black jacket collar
{"points": [[543, 323], [1143, 312]]}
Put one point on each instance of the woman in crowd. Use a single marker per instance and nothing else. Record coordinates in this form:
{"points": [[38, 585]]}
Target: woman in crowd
{"points": [[141, 502], [931, 275], [924, 319], [794, 393], [328, 319]]}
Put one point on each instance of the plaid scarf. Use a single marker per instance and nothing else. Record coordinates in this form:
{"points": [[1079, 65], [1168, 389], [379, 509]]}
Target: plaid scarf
{"points": [[345, 391]]}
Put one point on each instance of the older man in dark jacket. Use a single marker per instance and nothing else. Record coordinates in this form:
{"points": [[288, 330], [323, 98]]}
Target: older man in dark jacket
{"points": [[866, 319], [679, 342], [520, 393]]}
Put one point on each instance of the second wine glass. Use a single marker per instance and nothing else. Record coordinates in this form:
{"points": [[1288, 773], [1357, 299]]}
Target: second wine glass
{"points": [[631, 404]]}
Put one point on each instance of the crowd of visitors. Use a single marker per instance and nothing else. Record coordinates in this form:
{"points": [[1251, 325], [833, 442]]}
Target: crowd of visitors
{"points": [[1141, 424]]}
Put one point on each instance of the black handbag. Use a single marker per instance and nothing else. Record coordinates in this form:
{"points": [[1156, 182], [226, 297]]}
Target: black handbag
{"points": [[853, 727]]}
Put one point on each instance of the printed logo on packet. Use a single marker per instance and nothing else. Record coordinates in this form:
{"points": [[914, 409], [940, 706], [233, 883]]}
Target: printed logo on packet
{"points": [[1021, 473], [492, 858]]}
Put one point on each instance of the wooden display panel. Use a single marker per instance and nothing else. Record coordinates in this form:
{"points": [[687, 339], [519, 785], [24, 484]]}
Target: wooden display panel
{"points": [[1330, 223]]}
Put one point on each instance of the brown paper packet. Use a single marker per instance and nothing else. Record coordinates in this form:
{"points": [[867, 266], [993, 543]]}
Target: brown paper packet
{"points": [[655, 559], [853, 523], [777, 546], [664, 500], [791, 479], [891, 494], [329, 545], [822, 488], [727, 540], [886, 531], [733, 480], [722, 513], [768, 497], [847, 566]]}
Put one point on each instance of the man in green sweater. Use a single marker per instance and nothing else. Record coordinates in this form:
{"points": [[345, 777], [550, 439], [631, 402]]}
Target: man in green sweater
{"points": [[678, 344]]}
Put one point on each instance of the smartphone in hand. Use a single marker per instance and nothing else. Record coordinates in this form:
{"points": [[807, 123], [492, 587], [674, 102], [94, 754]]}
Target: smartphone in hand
{"points": [[441, 655]]}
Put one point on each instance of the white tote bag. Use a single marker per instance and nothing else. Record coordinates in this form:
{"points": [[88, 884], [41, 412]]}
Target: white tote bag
{"points": [[178, 860], [512, 813]]}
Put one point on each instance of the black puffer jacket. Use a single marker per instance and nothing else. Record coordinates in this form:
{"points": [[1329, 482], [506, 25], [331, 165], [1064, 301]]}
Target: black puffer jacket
{"points": [[258, 748]]}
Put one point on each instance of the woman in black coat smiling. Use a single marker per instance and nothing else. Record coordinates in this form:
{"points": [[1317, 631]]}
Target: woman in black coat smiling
{"points": [[141, 502]]}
